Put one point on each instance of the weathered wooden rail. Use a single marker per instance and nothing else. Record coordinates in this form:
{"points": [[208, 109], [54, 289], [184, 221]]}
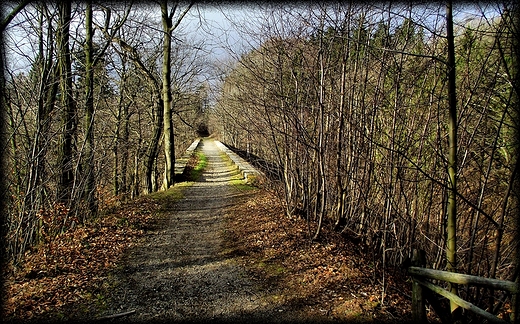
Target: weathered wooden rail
{"points": [[420, 274]]}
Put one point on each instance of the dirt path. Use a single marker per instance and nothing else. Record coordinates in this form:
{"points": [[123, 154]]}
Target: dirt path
{"points": [[180, 273]]}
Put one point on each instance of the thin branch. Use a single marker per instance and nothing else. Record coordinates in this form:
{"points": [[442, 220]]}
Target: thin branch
{"points": [[438, 182], [177, 23], [13, 13], [116, 315], [115, 29]]}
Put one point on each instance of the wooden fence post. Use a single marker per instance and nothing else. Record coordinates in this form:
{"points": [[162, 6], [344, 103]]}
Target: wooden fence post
{"points": [[418, 305], [515, 304]]}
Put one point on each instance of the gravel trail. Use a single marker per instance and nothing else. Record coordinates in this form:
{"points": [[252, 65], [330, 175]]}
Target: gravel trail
{"points": [[179, 272]]}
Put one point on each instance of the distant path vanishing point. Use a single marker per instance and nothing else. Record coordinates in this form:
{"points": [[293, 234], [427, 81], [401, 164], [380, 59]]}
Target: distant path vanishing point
{"points": [[179, 272]]}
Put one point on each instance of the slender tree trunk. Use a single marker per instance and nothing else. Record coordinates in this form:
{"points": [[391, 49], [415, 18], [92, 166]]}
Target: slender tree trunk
{"points": [[503, 213], [341, 190], [135, 177], [89, 114], [153, 146], [115, 146], [321, 149], [66, 181], [169, 147], [4, 226], [124, 151], [451, 224]]}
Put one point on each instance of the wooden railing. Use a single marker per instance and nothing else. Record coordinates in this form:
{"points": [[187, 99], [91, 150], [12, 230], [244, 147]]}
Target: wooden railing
{"points": [[419, 295]]}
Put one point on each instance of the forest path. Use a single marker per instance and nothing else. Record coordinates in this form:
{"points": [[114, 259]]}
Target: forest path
{"points": [[180, 272]]}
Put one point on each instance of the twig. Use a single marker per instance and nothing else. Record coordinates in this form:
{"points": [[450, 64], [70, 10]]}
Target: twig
{"points": [[116, 315]]}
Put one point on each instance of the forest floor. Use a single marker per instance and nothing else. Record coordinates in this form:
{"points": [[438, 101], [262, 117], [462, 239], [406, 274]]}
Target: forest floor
{"points": [[210, 250]]}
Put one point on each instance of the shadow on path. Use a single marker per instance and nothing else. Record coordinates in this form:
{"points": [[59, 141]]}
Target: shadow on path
{"points": [[180, 272]]}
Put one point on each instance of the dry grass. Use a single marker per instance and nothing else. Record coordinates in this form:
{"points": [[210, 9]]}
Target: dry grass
{"points": [[66, 278], [331, 278]]}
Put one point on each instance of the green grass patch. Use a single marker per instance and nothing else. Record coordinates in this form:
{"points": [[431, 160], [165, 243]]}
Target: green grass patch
{"points": [[228, 160], [271, 269], [238, 181], [174, 192], [254, 181], [202, 162], [192, 173], [194, 168], [241, 184], [168, 197]]}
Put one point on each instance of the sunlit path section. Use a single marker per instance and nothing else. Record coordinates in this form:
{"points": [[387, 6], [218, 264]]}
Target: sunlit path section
{"points": [[181, 273]]}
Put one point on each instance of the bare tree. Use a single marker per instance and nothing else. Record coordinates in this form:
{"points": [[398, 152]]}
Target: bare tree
{"points": [[376, 81], [169, 147], [451, 250], [68, 105]]}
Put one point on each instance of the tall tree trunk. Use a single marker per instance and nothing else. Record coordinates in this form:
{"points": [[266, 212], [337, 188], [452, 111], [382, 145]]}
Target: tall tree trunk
{"points": [[153, 146], [88, 166], [3, 139], [124, 150], [169, 139], [115, 145], [321, 189], [66, 180], [340, 199], [169, 147], [451, 224]]}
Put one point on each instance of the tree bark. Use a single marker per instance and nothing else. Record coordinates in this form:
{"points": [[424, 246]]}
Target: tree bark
{"points": [[451, 223], [88, 167], [66, 181], [321, 190], [153, 146], [169, 148]]}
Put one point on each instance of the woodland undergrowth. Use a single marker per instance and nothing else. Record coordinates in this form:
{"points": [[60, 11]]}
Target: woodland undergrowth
{"points": [[68, 276], [334, 277], [63, 277]]}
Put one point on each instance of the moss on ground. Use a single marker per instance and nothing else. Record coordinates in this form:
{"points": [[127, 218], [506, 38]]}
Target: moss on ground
{"points": [[241, 184], [202, 162]]}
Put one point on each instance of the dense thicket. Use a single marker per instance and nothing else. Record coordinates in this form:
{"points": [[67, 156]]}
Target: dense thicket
{"points": [[351, 103], [84, 112]]}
